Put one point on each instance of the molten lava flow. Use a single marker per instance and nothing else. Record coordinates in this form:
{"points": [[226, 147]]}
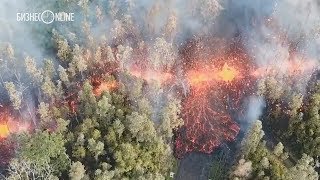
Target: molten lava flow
{"points": [[217, 91], [160, 77], [150, 75], [7, 147], [227, 73], [217, 95], [4, 130], [292, 68], [199, 78], [10, 125], [104, 86], [206, 124], [209, 74], [99, 86]]}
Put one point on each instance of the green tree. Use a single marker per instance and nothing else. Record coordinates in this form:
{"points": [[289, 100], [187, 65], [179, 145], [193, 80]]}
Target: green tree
{"points": [[48, 68], [15, 96], [278, 149], [96, 148], [77, 171], [252, 139], [64, 50], [88, 100], [304, 127], [304, 169], [140, 127], [48, 87], [9, 51], [32, 70], [170, 118], [242, 170], [78, 59], [43, 148], [44, 112], [63, 75], [21, 169], [105, 172], [162, 54]]}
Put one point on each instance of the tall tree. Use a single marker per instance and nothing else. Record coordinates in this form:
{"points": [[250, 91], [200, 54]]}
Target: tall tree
{"points": [[252, 139], [77, 171], [304, 169], [14, 94]]}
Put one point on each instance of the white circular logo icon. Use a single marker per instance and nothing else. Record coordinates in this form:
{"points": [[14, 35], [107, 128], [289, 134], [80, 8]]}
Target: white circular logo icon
{"points": [[47, 17]]}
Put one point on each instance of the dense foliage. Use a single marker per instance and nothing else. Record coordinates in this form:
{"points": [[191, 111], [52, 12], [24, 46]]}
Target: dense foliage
{"points": [[88, 116]]}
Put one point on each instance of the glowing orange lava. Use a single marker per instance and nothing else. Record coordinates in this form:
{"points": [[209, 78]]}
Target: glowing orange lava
{"points": [[105, 86], [206, 120], [217, 94], [4, 130], [292, 68], [198, 78], [10, 125], [227, 73], [201, 77], [160, 77], [151, 75]]}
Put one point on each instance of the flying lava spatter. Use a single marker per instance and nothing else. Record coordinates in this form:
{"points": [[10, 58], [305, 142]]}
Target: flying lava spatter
{"points": [[150, 75], [227, 73], [216, 90], [205, 111], [217, 94]]}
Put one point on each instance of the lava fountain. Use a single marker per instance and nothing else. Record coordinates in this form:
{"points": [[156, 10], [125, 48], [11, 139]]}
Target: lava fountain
{"points": [[218, 87], [207, 122], [227, 73]]}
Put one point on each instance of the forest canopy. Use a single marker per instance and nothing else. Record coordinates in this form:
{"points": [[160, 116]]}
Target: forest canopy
{"points": [[130, 89]]}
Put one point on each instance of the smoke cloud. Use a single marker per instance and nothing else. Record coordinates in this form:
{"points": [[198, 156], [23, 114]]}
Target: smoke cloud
{"points": [[272, 33]]}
